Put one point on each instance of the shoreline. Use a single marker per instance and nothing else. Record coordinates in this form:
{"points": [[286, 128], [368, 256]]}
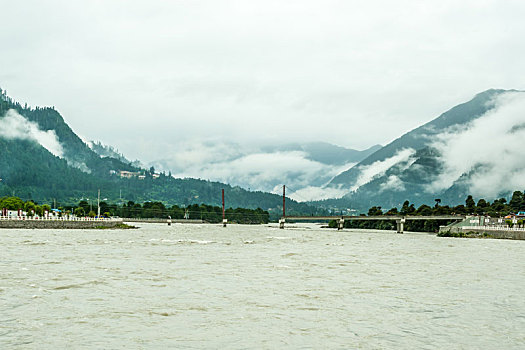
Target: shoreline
{"points": [[474, 232], [63, 224]]}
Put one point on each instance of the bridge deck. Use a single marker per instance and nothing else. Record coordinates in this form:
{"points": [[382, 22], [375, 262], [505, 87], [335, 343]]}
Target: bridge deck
{"points": [[379, 217], [163, 221]]}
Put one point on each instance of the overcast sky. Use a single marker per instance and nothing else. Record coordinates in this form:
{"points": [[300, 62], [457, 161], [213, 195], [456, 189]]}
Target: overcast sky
{"points": [[146, 76]]}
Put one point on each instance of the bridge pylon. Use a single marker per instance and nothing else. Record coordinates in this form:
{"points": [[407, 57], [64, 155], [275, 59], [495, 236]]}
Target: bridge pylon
{"points": [[400, 225], [340, 224]]}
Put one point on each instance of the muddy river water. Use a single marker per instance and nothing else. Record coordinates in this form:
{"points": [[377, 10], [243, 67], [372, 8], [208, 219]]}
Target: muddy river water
{"points": [[205, 286]]}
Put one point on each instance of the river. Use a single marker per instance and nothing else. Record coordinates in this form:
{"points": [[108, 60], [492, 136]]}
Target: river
{"points": [[205, 286]]}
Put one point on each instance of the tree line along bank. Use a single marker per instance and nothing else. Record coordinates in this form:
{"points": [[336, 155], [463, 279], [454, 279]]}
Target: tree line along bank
{"points": [[498, 208], [208, 213]]}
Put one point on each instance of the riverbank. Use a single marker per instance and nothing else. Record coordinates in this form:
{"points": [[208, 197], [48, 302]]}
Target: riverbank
{"points": [[204, 286], [482, 232], [63, 224]]}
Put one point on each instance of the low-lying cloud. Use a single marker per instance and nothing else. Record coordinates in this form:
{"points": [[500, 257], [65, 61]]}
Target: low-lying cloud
{"points": [[313, 193], [394, 183], [379, 168], [254, 169], [491, 149], [15, 126]]}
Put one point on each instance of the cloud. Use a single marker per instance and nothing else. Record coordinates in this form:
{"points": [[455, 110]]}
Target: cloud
{"points": [[79, 165], [189, 155], [253, 168], [490, 149], [312, 193], [378, 168], [15, 126], [312, 70], [393, 182]]}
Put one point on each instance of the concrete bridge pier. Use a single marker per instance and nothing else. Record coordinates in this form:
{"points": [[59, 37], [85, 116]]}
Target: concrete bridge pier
{"points": [[341, 224], [400, 225]]}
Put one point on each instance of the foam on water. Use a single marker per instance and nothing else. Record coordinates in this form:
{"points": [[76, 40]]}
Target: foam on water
{"points": [[205, 286]]}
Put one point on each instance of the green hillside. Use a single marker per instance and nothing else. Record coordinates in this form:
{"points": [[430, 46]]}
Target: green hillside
{"points": [[421, 136], [30, 171], [409, 179]]}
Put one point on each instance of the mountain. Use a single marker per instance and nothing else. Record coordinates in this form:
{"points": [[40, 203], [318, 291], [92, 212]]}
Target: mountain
{"points": [[325, 153], [106, 151], [474, 148], [41, 158], [420, 137], [264, 168]]}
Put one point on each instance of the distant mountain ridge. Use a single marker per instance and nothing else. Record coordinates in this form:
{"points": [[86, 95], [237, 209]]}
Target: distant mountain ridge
{"points": [[266, 167], [415, 165], [30, 169], [326, 153], [473, 148], [106, 151], [418, 138]]}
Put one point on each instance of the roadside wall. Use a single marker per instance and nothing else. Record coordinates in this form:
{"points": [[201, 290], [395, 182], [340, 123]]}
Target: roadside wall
{"points": [[163, 221], [498, 234], [57, 224]]}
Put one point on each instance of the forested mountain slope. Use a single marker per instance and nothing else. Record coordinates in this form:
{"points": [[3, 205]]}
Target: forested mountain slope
{"points": [[474, 148], [41, 158]]}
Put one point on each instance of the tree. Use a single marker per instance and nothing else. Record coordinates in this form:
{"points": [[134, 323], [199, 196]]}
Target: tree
{"points": [[84, 205], [482, 203], [459, 209], [104, 207], [516, 203], [424, 210], [407, 208], [46, 207], [470, 204], [482, 207], [30, 208], [392, 211], [11, 203], [498, 206], [79, 212], [375, 211]]}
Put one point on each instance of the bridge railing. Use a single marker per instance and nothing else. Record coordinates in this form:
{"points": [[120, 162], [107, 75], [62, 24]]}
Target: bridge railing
{"points": [[378, 217], [157, 220], [493, 228], [57, 218]]}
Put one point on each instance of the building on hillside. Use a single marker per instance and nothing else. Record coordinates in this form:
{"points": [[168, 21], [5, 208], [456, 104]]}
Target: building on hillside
{"points": [[128, 174], [136, 174], [480, 220]]}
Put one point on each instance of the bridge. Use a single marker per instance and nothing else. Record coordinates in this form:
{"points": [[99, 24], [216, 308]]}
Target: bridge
{"points": [[400, 220], [163, 221]]}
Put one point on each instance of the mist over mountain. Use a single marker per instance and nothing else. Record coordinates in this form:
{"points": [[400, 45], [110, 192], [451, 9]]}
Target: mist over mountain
{"points": [[324, 152], [106, 151], [474, 148], [42, 159], [303, 168]]}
